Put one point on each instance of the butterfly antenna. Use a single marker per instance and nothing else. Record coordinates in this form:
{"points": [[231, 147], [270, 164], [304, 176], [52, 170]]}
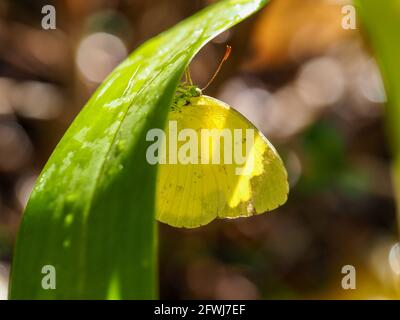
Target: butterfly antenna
{"points": [[188, 77], [226, 56]]}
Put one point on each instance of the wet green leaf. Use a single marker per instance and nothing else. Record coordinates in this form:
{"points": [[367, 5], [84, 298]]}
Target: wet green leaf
{"points": [[91, 214]]}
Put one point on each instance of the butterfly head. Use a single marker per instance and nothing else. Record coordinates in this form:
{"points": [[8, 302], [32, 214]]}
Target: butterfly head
{"points": [[183, 95]]}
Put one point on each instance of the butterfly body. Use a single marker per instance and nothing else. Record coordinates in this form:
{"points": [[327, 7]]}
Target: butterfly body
{"points": [[231, 172]]}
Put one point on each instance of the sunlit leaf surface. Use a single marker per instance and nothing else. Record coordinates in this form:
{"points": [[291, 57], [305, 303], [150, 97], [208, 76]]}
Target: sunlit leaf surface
{"points": [[91, 214]]}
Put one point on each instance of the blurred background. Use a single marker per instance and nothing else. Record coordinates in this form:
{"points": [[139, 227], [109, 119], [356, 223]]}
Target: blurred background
{"points": [[311, 86]]}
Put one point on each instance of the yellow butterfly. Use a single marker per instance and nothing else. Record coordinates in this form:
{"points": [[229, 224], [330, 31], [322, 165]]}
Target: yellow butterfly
{"points": [[198, 176]]}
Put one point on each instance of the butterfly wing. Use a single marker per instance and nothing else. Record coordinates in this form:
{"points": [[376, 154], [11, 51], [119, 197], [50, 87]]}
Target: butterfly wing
{"points": [[190, 195]]}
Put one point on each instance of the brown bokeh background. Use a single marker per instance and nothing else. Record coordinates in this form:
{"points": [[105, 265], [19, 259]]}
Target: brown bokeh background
{"points": [[311, 86]]}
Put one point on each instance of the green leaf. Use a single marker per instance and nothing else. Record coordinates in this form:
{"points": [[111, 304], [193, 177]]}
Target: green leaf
{"points": [[91, 214], [381, 20], [382, 23]]}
